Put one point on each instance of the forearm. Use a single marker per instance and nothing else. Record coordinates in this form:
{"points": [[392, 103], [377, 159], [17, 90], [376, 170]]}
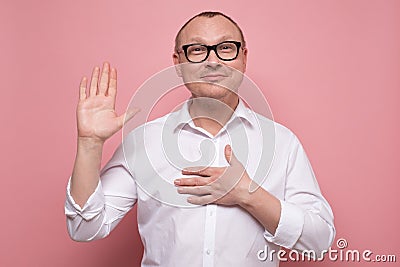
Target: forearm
{"points": [[317, 233], [113, 197], [263, 206], [89, 223], [300, 229], [85, 175]]}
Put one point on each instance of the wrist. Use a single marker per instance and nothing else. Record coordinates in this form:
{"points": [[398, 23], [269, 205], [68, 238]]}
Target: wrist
{"points": [[245, 199], [89, 143]]}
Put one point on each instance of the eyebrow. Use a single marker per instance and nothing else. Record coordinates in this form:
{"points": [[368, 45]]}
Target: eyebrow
{"points": [[200, 39]]}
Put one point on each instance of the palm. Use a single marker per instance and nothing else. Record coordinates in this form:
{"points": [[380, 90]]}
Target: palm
{"points": [[97, 118], [96, 114]]}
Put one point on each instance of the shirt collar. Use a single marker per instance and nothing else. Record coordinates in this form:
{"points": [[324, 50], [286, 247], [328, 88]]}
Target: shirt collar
{"points": [[182, 117]]}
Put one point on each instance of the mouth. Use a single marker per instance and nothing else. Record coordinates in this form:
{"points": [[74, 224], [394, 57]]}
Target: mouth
{"points": [[213, 77]]}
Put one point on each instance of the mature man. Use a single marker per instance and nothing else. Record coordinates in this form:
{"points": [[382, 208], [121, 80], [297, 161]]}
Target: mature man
{"points": [[229, 224]]}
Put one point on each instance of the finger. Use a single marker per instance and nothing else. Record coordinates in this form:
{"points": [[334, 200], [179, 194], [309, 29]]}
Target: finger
{"points": [[201, 200], [93, 82], [196, 190], [230, 156], [82, 89], [228, 153], [112, 86], [199, 170], [103, 86], [195, 181]]}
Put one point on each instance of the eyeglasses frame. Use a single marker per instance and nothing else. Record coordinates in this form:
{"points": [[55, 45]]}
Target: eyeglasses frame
{"points": [[211, 47]]}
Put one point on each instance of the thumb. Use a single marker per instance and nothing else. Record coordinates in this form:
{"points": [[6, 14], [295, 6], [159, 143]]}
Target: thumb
{"points": [[129, 114], [229, 156]]}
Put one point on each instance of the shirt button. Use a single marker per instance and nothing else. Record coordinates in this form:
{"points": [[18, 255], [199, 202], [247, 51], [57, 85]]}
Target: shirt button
{"points": [[211, 213], [208, 252]]}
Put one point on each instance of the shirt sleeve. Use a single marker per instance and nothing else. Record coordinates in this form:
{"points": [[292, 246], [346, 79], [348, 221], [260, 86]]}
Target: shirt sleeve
{"points": [[306, 221], [114, 196]]}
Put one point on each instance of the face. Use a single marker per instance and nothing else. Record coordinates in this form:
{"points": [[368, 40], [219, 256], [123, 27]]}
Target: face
{"points": [[214, 76]]}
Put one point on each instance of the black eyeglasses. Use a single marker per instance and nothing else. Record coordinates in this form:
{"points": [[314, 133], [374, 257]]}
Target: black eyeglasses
{"points": [[197, 53]]}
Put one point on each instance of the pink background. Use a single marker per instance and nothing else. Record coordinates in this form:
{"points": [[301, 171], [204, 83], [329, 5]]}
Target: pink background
{"points": [[330, 70]]}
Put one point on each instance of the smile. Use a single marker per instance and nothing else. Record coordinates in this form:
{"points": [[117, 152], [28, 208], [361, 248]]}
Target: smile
{"points": [[213, 77]]}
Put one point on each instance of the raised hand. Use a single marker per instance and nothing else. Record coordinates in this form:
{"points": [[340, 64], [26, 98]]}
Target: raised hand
{"points": [[96, 116], [97, 121]]}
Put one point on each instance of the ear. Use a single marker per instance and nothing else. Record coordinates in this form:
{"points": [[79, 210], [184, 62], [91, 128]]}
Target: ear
{"points": [[175, 59], [245, 51]]}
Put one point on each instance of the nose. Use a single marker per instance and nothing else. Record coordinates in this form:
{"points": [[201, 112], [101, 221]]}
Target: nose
{"points": [[213, 59]]}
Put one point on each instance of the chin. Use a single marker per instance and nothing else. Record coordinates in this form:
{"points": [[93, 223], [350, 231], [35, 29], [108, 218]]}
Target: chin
{"points": [[208, 90]]}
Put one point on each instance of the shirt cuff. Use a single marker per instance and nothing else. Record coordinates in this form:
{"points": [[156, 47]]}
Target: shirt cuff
{"points": [[289, 228], [93, 206]]}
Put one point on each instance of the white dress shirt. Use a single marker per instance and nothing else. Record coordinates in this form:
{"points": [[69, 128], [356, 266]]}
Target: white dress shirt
{"points": [[210, 235]]}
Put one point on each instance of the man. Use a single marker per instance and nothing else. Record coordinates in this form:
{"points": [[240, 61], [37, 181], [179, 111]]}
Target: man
{"points": [[231, 224]]}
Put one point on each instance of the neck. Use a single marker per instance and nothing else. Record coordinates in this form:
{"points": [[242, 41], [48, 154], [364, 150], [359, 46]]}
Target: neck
{"points": [[212, 114]]}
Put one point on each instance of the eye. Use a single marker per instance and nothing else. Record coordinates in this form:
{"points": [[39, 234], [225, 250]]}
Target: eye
{"points": [[197, 49], [226, 48]]}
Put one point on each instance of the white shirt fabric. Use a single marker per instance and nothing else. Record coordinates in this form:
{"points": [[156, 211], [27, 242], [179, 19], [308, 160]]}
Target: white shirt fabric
{"points": [[210, 235]]}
